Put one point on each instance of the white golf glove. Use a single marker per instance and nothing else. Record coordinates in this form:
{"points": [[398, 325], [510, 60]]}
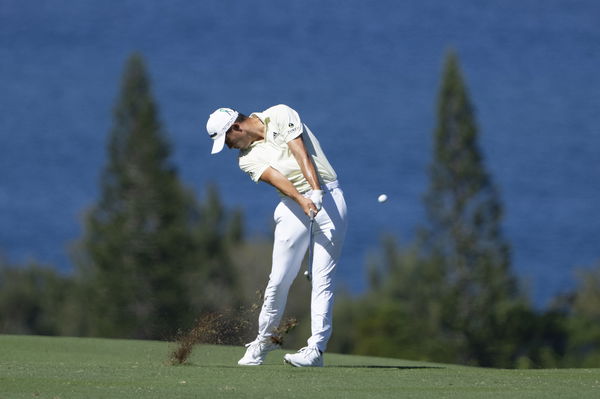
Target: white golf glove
{"points": [[317, 198]]}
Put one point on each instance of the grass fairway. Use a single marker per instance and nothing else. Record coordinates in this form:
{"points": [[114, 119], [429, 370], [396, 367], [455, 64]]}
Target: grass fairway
{"points": [[47, 367]]}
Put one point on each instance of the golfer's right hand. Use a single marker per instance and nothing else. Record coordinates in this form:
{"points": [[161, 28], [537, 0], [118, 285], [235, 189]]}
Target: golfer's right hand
{"points": [[308, 207]]}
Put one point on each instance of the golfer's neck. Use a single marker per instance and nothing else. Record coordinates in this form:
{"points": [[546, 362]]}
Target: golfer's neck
{"points": [[257, 129]]}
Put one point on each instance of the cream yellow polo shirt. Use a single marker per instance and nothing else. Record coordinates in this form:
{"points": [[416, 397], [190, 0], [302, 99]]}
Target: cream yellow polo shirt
{"points": [[283, 124]]}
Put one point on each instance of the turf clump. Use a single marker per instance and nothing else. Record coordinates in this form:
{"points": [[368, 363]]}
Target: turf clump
{"points": [[227, 328]]}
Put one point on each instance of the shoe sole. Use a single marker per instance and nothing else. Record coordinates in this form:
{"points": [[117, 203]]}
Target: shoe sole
{"points": [[286, 361], [262, 361]]}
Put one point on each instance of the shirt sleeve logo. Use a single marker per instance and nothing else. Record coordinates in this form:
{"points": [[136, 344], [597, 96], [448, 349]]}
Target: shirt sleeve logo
{"points": [[292, 129]]}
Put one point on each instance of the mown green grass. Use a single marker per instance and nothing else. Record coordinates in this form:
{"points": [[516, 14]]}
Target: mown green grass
{"points": [[48, 367]]}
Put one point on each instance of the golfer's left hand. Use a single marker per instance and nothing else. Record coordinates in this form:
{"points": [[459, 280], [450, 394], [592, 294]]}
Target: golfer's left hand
{"points": [[316, 196]]}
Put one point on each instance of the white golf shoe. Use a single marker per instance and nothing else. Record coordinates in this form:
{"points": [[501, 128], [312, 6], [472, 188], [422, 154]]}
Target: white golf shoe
{"points": [[257, 351], [309, 356]]}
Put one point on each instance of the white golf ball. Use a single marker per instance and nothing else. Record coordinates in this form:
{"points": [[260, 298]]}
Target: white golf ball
{"points": [[382, 198]]}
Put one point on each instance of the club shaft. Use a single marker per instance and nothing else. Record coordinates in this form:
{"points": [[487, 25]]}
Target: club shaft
{"points": [[311, 240]]}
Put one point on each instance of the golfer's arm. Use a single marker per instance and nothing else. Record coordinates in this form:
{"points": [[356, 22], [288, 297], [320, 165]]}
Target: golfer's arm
{"points": [[281, 183], [305, 162]]}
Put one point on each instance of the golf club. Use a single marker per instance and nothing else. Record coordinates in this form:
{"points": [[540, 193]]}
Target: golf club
{"points": [[308, 272]]}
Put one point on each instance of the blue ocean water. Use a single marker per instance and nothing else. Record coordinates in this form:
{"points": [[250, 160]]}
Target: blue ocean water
{"points": [[363, 75]]}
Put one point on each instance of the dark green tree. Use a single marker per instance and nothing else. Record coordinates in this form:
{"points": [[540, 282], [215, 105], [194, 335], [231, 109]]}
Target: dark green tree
{"points": [[401, 315], [33, 299], [584, 321], [218, 236], [145, 253], [450, 296], [464, 228]]}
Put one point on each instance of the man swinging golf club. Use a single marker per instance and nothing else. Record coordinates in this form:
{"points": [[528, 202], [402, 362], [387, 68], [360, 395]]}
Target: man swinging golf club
{"points": [[277, 148]]}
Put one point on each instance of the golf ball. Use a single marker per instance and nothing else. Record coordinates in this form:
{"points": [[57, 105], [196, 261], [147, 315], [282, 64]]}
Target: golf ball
{"points": [[382, 198]]}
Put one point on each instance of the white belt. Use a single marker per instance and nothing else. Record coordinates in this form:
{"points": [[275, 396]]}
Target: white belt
{"points": [[333, 185], [326, 187]]}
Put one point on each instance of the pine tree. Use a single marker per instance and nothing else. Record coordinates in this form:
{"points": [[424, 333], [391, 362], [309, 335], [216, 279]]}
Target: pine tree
{"points": [[464, 226], [142, 241], [450, 296]]}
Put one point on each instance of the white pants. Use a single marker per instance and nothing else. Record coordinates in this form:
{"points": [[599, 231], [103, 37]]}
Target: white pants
{"points": [[289, 247]]}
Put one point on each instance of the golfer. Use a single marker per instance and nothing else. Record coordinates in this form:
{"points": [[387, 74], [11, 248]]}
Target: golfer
{"points": [[277, 148]]}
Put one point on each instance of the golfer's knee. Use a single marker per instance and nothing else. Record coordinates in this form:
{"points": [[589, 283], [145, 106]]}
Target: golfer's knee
{"points": [[286, 244], [279, 284]]}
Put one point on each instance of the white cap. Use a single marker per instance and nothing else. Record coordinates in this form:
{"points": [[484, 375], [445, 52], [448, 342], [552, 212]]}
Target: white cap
{"points": [[218, 123]]}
